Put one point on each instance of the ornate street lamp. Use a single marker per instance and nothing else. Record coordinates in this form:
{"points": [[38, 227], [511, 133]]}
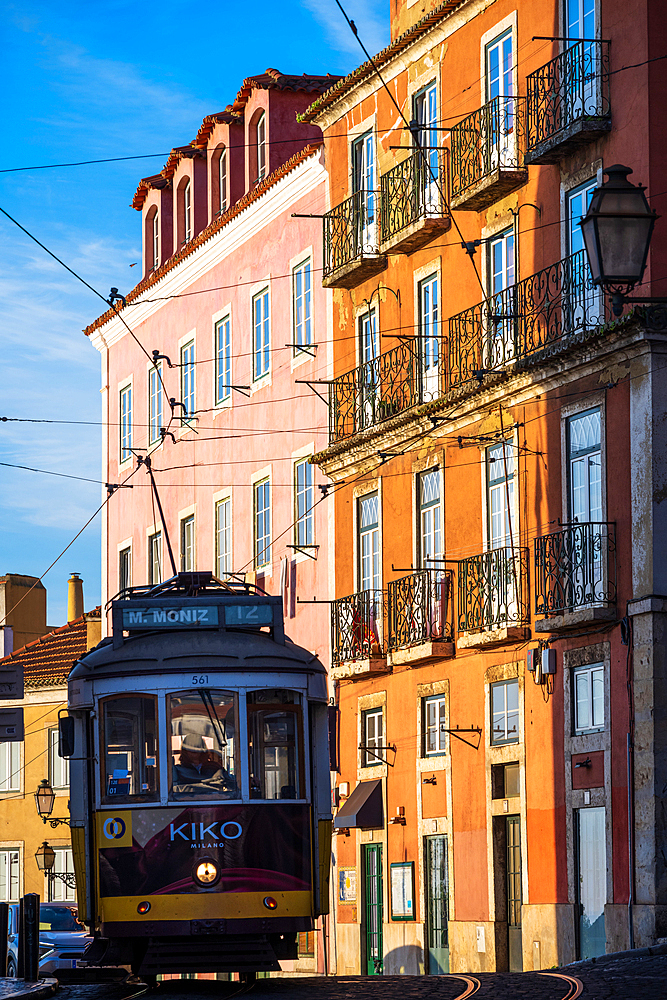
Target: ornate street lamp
{"points": [[45, 798], [45, 858], [617, 230]]}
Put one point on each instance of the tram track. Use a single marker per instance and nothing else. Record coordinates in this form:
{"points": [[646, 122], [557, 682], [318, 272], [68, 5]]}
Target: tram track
{"points": [[575, 986]]}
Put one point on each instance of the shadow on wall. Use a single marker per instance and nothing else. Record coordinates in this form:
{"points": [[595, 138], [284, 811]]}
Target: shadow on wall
{"points": [[408, 960]]}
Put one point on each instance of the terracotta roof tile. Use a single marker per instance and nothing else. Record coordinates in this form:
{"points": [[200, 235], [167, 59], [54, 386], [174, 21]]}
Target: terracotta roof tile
{"points": [[225, 117], [273, 78], [213, 227], [366, 69], [49, 659]]}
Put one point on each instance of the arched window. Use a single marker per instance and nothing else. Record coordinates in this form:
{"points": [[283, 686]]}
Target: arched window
{"points": [[261, 147], [156, 239], [222, 179], [187, 212]]}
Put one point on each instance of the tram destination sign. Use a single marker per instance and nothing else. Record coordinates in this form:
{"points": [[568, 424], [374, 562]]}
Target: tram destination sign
{"points": [[188, 616]]}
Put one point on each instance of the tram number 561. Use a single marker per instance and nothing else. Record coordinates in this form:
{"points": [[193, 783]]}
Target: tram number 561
{"points": [[199, 679]]}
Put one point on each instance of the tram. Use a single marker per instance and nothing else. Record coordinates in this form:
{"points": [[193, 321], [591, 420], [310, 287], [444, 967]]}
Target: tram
{"points": [[200, 794]]}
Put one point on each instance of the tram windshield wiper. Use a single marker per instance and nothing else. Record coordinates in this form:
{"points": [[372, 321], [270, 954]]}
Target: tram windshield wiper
{"points": [[216, 721]]}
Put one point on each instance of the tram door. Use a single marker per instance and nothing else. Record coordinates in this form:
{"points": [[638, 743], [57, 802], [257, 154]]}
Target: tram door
{"points": [[513, 827], [437, 904], [373, 914]]}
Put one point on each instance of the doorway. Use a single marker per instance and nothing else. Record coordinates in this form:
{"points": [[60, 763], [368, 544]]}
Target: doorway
{"points": [[437, 904], [591, 881], [513, 863], [373, 911]]}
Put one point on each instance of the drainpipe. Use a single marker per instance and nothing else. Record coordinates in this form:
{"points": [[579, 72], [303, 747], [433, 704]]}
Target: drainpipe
{"points": [[626, 639]]}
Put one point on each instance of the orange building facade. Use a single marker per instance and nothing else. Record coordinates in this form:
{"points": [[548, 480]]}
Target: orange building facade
{"points": [[496, 443]]}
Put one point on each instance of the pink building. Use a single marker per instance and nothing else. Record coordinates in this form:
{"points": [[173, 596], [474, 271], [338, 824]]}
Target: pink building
{"points": [[232, 301]]}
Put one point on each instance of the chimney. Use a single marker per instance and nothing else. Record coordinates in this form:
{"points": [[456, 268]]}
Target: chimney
{"points": [[74, 597]]}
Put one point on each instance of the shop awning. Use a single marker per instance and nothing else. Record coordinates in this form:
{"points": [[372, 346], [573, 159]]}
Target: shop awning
{"points": [[363, 809]]}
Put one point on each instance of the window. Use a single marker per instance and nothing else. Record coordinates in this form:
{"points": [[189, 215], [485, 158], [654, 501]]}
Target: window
{"points": [[301, 296], [434, 725], [500, 90], [577, 202], [188, 380], [500, 501], [588, 684], [499, 67], [501, 340], [223, 538], [425, 112], [156, 240], [372, 734], [501, 259], [57, 889], [125, 568], [505, 781], [126, 423], [262, 493], [363, 184], [187, 212], [129, 748], [222, 179], [274, 744], [304, 528], [307, 944], [188, 544], [369, 543], [154, 403], [261, 147], [430, 520], [58, 766], [429, 337], [10, 874], [260, 312], [155, 557], [585, 466], [580, 16], [10, 767], [223, 360], [369, 340], [203, 745], [505, 712]]}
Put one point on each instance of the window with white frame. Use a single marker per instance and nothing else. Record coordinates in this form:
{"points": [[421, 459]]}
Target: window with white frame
{"points": [[576, 203], [425, 112], [10, 767], [187, 212], [368, 527], [223, 360], [499, 58], [430, 520], [429, 337], [125, 568], [125, 407], [304, 526], [10, 875], [588, 690], [584, 460], [261, 334], [222, 179], [155, 557], [261, 147], [434, 722], [500, 496], [223, 537], [372, 736], [156, 239], [155, 421], [188, 544], [505, 712], [262, 525], [63, 865], [302, 304], [58, 766], [188, 380]]}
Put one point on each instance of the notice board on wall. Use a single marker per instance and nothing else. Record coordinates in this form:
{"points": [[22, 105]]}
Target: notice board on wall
{"points": [[402, 879], [347, 885]]}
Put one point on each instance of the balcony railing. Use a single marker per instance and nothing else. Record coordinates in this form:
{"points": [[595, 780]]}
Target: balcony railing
{"points": [[414, 191], [420, 608], [575, 568], [357, 631], [488, 145], [351, 235], [493, 590], [568, 101], [538, 312]]}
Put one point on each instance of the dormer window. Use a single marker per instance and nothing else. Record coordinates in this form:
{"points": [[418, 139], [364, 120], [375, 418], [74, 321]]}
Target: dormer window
{"points": [[222, 179], [187, 212], [156, 240], [261, 147]]}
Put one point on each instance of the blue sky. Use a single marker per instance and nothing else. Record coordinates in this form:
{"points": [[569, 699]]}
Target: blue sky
{"points": [[85, 81]]}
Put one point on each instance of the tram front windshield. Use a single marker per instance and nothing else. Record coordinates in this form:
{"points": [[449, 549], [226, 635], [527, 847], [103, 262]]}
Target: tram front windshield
{"points": [[203, 745]]}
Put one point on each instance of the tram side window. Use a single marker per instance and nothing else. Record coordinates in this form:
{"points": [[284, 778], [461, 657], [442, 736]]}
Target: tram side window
{"points": [[130, 748], [203, 745], [275, 744]]}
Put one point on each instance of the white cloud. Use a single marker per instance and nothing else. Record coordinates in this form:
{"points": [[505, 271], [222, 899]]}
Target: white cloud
{"points": [[371, 18]]}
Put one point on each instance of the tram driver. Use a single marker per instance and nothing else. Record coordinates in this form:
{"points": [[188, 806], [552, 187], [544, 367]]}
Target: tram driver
{"points": [[200, 771]]}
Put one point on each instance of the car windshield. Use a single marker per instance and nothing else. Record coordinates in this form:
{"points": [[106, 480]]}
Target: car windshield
{"points": [[59, 918]]}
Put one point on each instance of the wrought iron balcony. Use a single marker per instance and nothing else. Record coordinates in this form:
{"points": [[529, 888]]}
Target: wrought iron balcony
{"points": [[420, 608], [385, 386], [568, 102], [488, 154], [540, 312], [413, 203], [357, 627], [352, 241], [575, 568], [493, 590]]}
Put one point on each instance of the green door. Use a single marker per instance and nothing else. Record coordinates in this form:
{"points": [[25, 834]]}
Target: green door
{"points": [[373, 908], [437, 904], [514, 893]]}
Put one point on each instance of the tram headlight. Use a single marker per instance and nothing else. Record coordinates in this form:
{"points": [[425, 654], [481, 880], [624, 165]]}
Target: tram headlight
{"points": [[270, 903], [143, 907], [206, 872]]}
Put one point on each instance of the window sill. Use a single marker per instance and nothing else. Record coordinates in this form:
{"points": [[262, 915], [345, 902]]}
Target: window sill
{"points": [[260, 383]]}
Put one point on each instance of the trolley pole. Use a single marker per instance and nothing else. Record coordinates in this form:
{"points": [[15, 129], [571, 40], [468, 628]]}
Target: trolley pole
{"points": [[30, 936], [4, 928]]}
